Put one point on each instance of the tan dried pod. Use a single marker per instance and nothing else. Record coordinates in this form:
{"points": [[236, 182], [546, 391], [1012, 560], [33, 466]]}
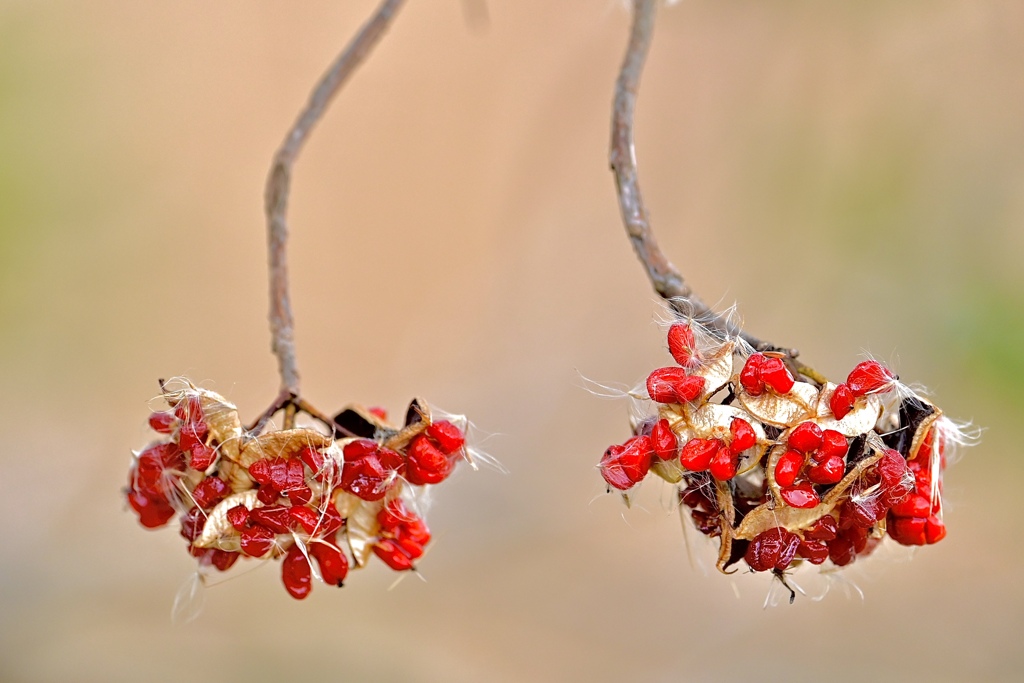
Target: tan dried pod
{"points": [[361, 526], [217, 531], [220, 415], [716, 369], [782, 410], [860, 420], [282, 444]]}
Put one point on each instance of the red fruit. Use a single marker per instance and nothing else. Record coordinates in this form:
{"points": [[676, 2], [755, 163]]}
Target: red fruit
{"points": [[841, 551], [257, 541], [381, 413], [202, 456], [274, 517], [238, 516], [163, 423], [697, 454], [333, 563], [305, 517], [624, 466], [908, 530], [673, 385], [267, 495], [192, 523], [153, 512], [296, 574], [447, 436], [828, 472], [147, 476], [833, 445], [312, 458], [800, 496], [426, 464], [934, 530], [222, 559], [913, 506], [681, 343], [772, 549], [841, 401], [192, 433], [300, 496], [787, 468], [664, 441], [825, 529], [816, 552], [392, 554], [743, 435], [869, 377], [806, 437], [864, 512], [750, 376], [190, 409], [723, 464], [365, 478], [210, 491], [775, 374]]}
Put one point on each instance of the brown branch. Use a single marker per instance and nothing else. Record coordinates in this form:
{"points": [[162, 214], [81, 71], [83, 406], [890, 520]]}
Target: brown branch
{"points": [[666, 279], [279, 181]]}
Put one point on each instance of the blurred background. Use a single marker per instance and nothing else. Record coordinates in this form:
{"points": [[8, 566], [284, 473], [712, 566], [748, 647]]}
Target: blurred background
{"points": [[850, 173]]}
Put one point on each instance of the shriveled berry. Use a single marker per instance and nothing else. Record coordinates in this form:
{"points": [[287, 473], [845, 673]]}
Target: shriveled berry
{"points": [[788, 467], [162, 422], [869, 377], [806, 437], [841, 401], [624, 466], [743, 435], [681, 343], [392, 555], [238, 517], [775, 374], [296, 574], [448, 437], [333, 563], [864, 512], [828, 472], [210, 491], [772, 549], [426, 464], [673, 385], [697, 454], [257, 540], [664, 441], [800, 496], [723, 464]]}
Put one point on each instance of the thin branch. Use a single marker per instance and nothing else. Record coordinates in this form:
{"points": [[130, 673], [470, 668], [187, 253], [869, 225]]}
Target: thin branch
{"points": [[666, 279], [279, 182]]}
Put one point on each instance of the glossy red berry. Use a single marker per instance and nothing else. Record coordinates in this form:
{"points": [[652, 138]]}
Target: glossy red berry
{"points": [[426, 463], [828, 472], [664, 441], [815, 552], [743, 435], [800, 496], [154, 512], [222, 559], [697, 454], [908, 530], [806, 437], [788, 467], [772, 549], [673, 385], [775, 374], [163, 422], [869, 377], [448, 437], [238, 517], [723, 464], [202, 456], [333, 563], [296, 574], [210, 491], [392, 555], [257, 541], [681, 343], [825, 529], [914, 505], [626, 465], [308, 519], [274, 517], [934, 530], [833, 445], [841, 401]]}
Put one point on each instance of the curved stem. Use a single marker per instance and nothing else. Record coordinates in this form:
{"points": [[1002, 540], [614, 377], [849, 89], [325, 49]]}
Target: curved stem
{"points": [[666, 279], [279, 182]]}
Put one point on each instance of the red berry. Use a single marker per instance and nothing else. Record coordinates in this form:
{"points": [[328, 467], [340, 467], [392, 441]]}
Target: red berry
{"points": [[274, 517], [210, 491], [806, 437], [908, 530], [238, 516], [222, 559], [816, 552], [869, 377], [189, 409], [775, 374], [312, 458], [934, 530], [153, 512], [800, 496], [772, 549], [743, 435], [864, 512], [697, 454], [664, 441], [267, 495], [163, 423], [380, 413], [296, 574], [447, 436], [333, 563], [673, 385], [624, 466], [365, 477], [841, 551], [915, 505], [300, 496], [723, 464], [787, 468], [828, 472], [426, 464], [257, 541], [681, 343], [202, 457], [825, 529], [833, 445], [392, 555], [841, 401], [191, 434], [750, 376]]}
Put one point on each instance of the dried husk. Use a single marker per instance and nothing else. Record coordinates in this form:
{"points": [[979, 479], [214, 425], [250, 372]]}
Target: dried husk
{"points": [[283, 444], [217, 531], [782, 410]]}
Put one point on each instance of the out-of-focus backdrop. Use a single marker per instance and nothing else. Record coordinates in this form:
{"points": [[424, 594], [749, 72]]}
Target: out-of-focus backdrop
{"points": [[850, 173]]}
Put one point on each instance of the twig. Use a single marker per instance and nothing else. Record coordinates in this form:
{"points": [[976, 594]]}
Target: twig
{"points": [[666, 279], [279, 181]]}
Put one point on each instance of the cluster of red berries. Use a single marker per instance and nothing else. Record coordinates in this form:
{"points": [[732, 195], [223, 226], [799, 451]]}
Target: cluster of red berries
{"points": [[785, 468], [299, 495]]}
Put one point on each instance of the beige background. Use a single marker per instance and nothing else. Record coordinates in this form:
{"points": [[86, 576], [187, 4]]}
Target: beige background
{"points": [[851, 173]]}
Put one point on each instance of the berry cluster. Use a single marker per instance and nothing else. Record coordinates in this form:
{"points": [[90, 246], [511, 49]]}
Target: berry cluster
{"points": [[786, 468], [317, 502]]}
